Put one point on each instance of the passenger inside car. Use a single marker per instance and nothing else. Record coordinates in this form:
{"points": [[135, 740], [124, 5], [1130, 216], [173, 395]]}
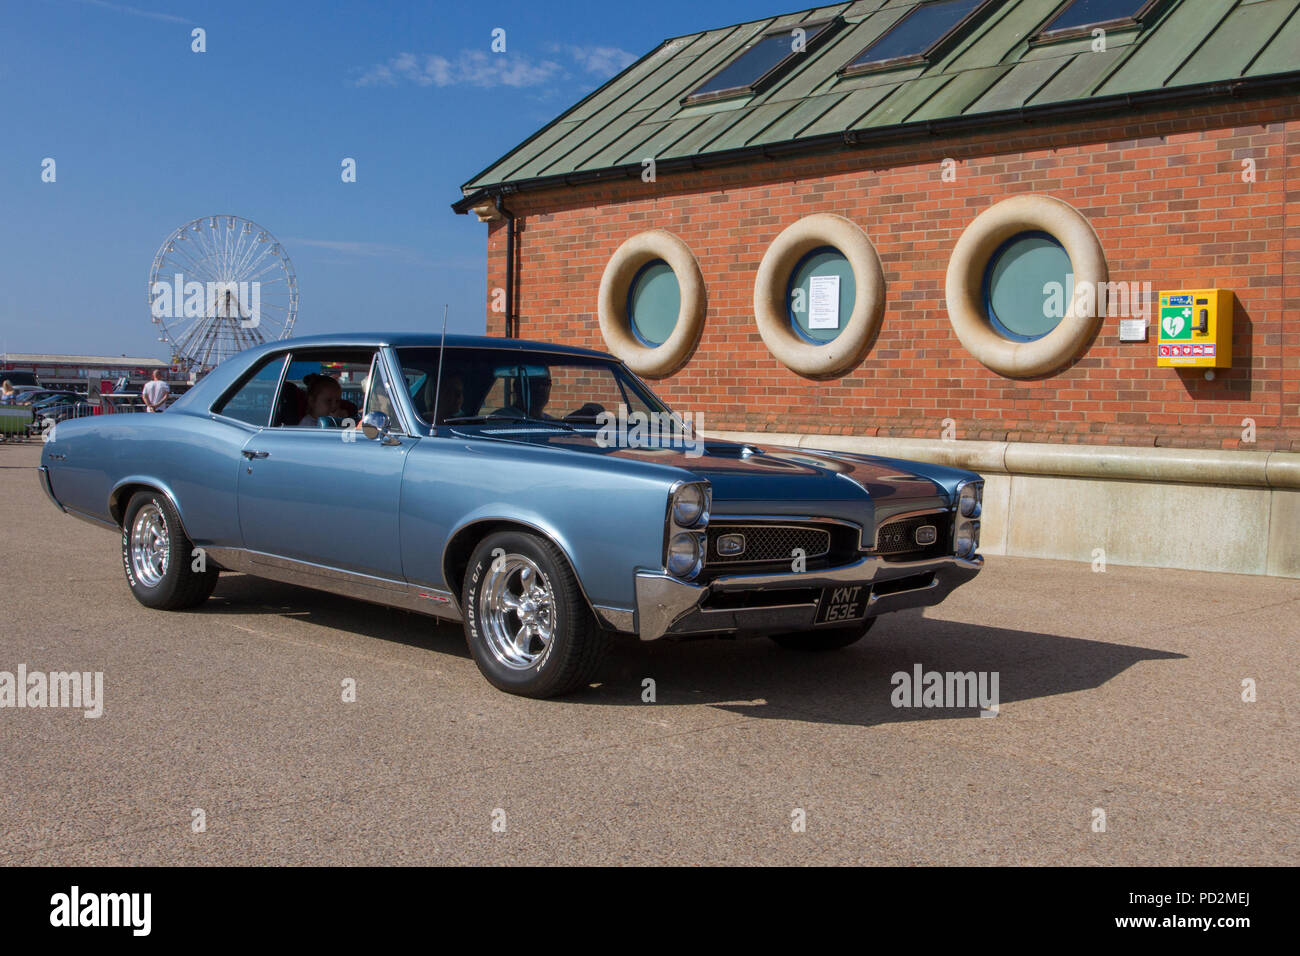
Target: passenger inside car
{"points": [[324, 397]]}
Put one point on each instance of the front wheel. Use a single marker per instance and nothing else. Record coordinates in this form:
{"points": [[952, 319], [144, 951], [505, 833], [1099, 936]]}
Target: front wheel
{"points": [[830, 639], [526, 621], [162, 567]]}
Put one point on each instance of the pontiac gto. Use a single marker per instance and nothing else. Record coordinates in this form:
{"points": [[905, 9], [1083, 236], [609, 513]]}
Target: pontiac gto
{"points": [[482, 485]]}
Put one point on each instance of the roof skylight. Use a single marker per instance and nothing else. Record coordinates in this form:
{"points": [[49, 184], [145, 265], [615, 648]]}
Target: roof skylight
{"points": [[915, 37], [765, 60], [1082, 16]]}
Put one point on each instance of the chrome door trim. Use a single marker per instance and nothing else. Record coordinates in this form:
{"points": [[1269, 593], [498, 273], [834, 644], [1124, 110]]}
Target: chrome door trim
{"points": [[366, 587], [401, 399]]}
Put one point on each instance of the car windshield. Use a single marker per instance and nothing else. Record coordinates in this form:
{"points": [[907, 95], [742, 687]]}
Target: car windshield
{"points": [[480, 384]]}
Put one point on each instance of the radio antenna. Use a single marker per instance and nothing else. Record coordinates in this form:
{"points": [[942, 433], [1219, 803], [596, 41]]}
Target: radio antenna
{"points": [[442, 350]]}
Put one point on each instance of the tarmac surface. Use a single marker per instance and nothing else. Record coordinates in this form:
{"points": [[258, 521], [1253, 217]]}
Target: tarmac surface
{"points": [[1119, 692]]}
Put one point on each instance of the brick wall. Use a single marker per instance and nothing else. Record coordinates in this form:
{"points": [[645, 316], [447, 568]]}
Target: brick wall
{"points": [[1163, 191]]}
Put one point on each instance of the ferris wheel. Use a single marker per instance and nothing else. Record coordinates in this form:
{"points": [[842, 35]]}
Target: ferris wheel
{"points": [[219, 285]]}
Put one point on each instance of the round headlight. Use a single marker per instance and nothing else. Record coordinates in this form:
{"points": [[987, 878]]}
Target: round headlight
{"points": [[968, 538], [969, 502], [684, 554], [688, 505]]}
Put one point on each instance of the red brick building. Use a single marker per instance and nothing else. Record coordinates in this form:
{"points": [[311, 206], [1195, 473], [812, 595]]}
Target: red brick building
{"points": [[1169, 134]]}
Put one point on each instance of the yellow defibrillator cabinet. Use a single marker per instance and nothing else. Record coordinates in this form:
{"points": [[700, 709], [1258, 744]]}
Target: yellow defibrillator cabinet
{"points": [[1195, 329]]}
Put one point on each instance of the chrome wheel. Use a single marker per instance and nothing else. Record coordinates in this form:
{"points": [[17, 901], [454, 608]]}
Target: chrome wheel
{"points": [[150, 546], [517, 611]]}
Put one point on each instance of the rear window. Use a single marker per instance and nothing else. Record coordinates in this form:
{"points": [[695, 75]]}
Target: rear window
{"points": [[252, 399]]}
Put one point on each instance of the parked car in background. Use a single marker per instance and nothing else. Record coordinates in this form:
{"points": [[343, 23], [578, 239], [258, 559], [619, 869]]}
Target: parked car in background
{"points": [[61, 411], [54, 398], [485, 486], [32, 396]]}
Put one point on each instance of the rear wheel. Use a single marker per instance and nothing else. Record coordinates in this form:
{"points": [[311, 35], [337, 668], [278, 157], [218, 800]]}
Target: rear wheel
{"points": [[830, 639], [162, 567], [526, 621]]}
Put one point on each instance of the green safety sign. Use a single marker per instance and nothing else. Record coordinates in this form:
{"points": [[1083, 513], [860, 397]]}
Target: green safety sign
{"points": [[1175, 322]]}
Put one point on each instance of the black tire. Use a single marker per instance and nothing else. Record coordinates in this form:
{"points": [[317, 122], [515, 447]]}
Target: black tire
{"points": [[577, 643], [827, 639], [180, 585]]}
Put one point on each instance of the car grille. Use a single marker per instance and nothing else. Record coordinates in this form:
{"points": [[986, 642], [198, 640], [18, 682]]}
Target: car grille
{"points": [[897, 538], [768, 543]]}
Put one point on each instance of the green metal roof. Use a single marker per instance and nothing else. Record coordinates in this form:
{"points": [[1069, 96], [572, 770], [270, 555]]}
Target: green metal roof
{"points": [[991, 67]]}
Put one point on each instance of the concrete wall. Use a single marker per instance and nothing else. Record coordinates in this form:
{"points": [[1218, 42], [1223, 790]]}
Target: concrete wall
{"points": [[1230, 511]]}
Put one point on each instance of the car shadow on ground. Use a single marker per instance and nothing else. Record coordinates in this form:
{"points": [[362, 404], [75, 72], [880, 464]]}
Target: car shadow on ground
{"points": [[244, 594], [753, 676], [856, 685]]}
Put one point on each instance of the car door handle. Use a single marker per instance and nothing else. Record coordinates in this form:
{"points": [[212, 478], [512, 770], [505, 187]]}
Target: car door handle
{"points": [[250, 455]]}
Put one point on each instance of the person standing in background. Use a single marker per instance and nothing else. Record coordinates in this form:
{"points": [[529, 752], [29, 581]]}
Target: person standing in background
{"points": [[7, 393], [155, 392]]}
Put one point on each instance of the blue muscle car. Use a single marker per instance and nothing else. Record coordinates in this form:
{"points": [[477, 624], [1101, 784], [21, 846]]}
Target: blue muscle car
{"points": [[499, 483]]}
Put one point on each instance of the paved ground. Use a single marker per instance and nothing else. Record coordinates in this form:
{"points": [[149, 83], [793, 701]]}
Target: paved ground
{"points": [[1120, 691]]}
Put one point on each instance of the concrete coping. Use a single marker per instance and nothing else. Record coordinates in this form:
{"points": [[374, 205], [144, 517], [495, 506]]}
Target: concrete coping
{"points": [[1196, 466]]}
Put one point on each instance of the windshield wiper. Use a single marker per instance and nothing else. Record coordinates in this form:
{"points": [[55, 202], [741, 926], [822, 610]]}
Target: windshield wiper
{"points": [[466, 419], [480, 419]]}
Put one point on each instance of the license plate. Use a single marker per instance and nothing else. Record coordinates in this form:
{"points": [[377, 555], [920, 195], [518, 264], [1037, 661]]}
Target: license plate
{"points": [[843, 605]]}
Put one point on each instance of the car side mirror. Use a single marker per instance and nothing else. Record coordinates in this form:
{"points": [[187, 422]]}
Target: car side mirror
{"points": [[375, 425]]}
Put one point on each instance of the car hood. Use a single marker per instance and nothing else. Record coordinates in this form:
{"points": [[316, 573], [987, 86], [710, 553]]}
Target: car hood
{"points": [[771, 479]]}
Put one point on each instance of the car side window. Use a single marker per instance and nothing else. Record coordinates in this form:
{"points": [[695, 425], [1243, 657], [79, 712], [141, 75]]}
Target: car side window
{"points": [[379, 398], [252, 401], [323, 388]]}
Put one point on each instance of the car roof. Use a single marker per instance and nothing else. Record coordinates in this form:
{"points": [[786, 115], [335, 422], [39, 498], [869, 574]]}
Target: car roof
{"points": [[216, 382], [429, 340]]}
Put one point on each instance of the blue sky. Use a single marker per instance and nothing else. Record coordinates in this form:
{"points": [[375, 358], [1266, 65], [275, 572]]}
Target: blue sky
{"points": [[147, 135]]}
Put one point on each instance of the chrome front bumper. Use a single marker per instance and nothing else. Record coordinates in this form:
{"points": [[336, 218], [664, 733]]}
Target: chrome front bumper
{"points": [[666, 605]]}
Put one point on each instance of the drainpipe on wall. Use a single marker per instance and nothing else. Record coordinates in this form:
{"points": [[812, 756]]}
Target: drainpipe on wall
{"points": [[510, 266]]}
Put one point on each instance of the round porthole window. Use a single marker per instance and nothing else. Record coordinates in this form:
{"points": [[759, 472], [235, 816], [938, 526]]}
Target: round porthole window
{"points": [[1025, 286], [1014, 280], [821, 295], [653, 302]]}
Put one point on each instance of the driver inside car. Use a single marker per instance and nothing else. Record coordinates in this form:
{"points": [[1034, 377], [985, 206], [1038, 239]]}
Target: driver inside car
{"points": [[529, 395]]}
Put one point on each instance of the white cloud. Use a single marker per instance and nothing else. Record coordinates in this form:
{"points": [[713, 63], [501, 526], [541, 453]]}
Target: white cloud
{"points": [[485, 70], [135, 11], [604, 61], [469, 68]]}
